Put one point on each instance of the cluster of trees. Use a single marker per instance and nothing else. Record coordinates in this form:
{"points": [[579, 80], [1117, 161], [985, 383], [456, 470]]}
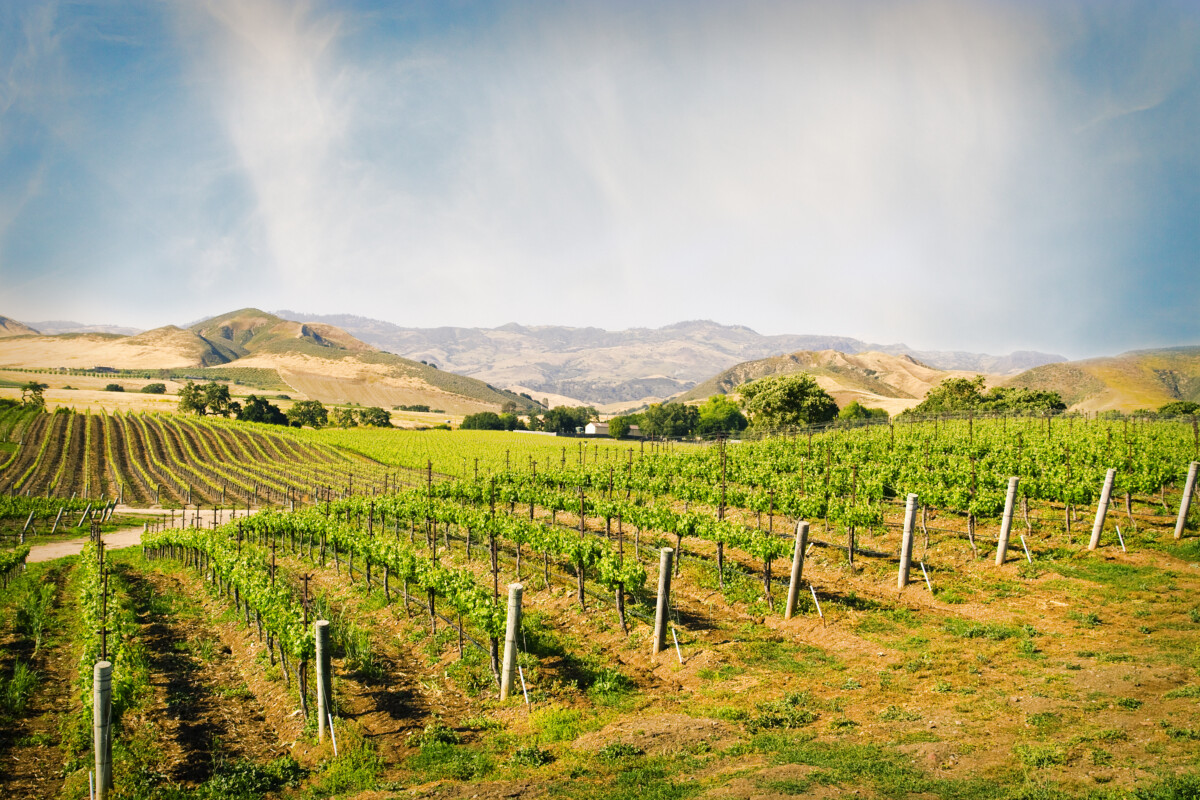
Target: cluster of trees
{"points": [[213, 398], [771, 402], [308, 414], [149, 388], [371, 417], [491, 421], [1180, 408], [857, 411], [961, 395], [258, 409], [563, 419], [1175, 408], [560, 419], [787, 400]]}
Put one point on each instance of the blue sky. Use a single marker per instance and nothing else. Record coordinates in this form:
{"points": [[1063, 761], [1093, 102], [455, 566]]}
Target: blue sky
{"points": [[954, 175]]}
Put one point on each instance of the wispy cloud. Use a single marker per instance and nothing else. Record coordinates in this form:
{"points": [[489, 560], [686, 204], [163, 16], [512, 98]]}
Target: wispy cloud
{"points": [[958, 174]]}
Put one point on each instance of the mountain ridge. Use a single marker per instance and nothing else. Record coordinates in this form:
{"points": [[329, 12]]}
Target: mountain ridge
{"points": [[315, 359], [630, 366]]}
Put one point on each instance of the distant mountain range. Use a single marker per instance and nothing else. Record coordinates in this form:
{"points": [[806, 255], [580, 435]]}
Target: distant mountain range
{"points": [[348, 359], [630, 366], [315, 360], [57, 326]]}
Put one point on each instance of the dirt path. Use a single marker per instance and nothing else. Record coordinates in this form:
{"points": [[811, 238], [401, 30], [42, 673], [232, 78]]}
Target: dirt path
{"points": [[127, 537], [199, 699], [31, 760]]}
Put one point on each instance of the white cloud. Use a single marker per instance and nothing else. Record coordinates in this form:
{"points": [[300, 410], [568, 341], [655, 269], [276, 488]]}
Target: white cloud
{"points": [[917, 170]]}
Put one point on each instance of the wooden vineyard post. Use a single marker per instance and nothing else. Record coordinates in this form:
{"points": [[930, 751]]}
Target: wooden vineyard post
{"points": [[102, 726], [797, 569], [510, 639], [910, 519], [1102, 509], [1006, 522], [1185, 503], [661, 612], [321, 630]]}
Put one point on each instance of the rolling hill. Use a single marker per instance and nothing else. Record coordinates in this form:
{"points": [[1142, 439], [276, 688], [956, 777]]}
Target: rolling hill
{"points": [[1140, 379], [316, 360], [876, 380], [10, 327]]}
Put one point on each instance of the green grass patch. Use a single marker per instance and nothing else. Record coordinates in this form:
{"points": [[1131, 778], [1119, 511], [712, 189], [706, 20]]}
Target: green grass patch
{"points": [[1040, 756], [440, 760], [356, 767], [993, 631], [790, 711], [778, 655], [557, 724], [898, 714], [849, 766]]}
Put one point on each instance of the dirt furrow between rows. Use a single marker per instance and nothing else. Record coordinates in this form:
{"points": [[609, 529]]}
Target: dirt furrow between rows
{"points": [[31, 760], [199, 697]]}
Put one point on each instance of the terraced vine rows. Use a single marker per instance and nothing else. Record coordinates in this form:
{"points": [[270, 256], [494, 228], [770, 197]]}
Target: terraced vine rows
{"points": [[146, 459]]}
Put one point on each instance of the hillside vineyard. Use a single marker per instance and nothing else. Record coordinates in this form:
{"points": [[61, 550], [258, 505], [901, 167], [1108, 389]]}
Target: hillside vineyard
{"points": [[652, 579]]}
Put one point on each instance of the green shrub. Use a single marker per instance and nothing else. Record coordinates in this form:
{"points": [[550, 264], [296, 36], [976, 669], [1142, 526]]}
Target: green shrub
{"points": [[437, 732], [609, 686], [531, 756], [244, 779]]}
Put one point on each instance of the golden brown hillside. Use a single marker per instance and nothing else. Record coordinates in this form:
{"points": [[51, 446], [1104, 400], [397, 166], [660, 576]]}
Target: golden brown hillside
{"points": [[162, 348], [1142, 379], [876, 380], [10, 327], [315, 361]]}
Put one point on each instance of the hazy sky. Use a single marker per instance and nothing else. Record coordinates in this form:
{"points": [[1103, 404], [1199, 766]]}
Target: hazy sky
{"points": [[956, 175]]}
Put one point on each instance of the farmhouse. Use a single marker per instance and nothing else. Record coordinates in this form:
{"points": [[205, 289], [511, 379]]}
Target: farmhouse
{"points": [[601, 429]]}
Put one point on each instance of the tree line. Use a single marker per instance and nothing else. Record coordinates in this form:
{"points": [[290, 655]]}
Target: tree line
{"points": [[213, 398]]}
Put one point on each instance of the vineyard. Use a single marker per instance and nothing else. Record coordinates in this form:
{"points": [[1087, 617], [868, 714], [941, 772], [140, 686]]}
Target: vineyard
{"points": [[145, 459], [984, 608]]}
